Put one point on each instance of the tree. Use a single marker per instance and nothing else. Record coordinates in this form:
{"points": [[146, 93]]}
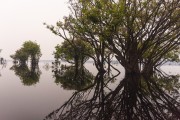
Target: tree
{"points": [[20, 56], [33, 50], [139, 33], [28, 49], [1, 59], [76, 52], [142, 34]]}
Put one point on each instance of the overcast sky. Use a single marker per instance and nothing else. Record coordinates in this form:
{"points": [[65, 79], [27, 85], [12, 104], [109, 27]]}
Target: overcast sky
{"points": [[22, 20]]}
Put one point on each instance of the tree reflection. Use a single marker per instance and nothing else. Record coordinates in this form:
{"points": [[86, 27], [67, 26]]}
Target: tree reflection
{"points": [[137, 97], [2, 66], [71, 80], [169, 83], [46, 66], [28, 76]]}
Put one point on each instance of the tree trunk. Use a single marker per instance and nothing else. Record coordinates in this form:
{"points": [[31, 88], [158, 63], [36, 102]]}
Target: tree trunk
{"points": [[82, 62], [147, 69], [22, 63], [33, 60], [132, 63], [109, 64], [76, 60]]}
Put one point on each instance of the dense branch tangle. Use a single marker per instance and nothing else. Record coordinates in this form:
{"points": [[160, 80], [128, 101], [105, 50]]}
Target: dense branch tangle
{"points": [[140, 33], [136, 31], [135, 98]]}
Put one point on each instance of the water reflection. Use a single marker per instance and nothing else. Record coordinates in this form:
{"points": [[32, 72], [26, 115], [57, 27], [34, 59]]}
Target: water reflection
{"points": [[72, 80], [2, 65], [137, 97], [28, 76], [47, 66], [169, 83]]}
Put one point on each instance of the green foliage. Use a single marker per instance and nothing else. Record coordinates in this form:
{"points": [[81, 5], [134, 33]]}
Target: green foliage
{"points": [[70, 50], [28, 49], [32, 48], [28, 76], [141, 34], [173, 55], [169, 83], [20, 55], [67, 78], [137, 32]]}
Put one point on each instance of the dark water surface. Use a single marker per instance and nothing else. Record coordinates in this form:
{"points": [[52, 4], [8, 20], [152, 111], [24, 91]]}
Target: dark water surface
{"points": [[20, 100]]}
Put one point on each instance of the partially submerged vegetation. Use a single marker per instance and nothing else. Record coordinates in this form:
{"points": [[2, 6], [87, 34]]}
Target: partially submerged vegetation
{"points": [[29, 50], [75, 52], [142, 35]]}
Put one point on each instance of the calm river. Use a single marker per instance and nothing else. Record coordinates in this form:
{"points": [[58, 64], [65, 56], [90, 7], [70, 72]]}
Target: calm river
{"points": [[21, 100]]}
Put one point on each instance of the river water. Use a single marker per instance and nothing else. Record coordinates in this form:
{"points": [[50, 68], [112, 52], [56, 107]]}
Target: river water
{"points": [[21, 100]]}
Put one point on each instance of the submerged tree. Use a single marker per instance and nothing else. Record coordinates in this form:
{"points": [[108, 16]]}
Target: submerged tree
{"points": [[2, 61], [142, 35], [28, 49], [20, 56], [137, 32], [33, 50], [75, 52]]}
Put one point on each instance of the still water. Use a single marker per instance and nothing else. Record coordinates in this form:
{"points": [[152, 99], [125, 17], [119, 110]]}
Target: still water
{"points": [[20, 100], [29, 102]]}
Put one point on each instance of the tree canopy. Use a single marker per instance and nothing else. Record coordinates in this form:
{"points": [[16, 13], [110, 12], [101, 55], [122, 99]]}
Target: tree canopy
{"points": [[74, 50], [142, 34], [30, 50], [137, 32], [135, 98], [20, 56]]}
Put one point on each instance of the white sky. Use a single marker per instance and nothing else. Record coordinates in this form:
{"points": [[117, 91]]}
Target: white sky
{"points": [[22, 20]]}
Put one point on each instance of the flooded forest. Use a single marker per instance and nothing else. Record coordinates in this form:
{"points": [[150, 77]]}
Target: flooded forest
{"points": [[119, 60]]}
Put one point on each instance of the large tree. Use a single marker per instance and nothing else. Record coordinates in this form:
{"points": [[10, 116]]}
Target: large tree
{"points": [[142, 34], [137, 32]]}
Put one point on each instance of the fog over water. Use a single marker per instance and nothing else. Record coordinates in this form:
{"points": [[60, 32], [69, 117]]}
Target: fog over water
{"points": [[22, 20]]}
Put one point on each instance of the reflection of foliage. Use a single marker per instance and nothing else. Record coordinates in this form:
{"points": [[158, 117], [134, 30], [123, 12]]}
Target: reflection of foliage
{"points": [[20, 56], [128, 101], [28, 77], [2, 66], [171, 83], [70, 80], [46, 66]]}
